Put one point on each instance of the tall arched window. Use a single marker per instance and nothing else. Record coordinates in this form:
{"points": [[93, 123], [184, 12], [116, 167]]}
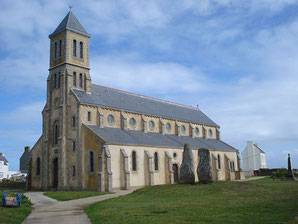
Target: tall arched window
{"points": [[55, 81], [156, 161], [81, 80], [74, 48], [134, 161], [218, 161], [81, 49], [60, 48], [38, 166], [91, 155], [85, 82], [74, 79], [56, 132], [55, 50]]}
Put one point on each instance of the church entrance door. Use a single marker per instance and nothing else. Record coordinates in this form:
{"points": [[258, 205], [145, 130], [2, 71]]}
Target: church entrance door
{"points": [[175, 169], [55, 182]]}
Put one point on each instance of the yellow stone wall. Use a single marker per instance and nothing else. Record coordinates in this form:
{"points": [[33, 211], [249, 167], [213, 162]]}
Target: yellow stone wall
{"points": [[36, 180], [54, 63]]}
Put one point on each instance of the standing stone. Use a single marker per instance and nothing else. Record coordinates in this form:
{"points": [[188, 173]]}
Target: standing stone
{"points": [[204, 169], [290, 175], [187, 170]]}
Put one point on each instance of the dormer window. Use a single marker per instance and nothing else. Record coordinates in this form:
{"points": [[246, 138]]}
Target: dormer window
{"points": [[74, 48], [81, 49]]}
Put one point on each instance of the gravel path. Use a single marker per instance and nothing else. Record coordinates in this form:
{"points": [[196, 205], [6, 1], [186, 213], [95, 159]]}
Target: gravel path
{"points": [[47, 210]]}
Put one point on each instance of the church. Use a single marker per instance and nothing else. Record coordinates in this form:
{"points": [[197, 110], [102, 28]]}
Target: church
{"points": [[100, 138]]}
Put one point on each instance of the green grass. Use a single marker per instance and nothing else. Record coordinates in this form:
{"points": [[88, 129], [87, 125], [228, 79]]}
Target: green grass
{"points": [[258, 202], [71, 195], [14, 215]]}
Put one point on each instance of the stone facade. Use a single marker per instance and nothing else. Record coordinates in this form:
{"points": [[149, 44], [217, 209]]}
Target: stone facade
{"points": [[72, 156]]}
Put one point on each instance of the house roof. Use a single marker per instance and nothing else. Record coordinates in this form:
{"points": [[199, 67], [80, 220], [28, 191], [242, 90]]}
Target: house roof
{"points": [[117, 99], [259, 148], [131, 137], [70, 22], [2, 158]]}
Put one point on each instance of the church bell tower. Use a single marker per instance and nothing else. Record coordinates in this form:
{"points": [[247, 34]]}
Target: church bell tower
{"points": [[68, 69]]}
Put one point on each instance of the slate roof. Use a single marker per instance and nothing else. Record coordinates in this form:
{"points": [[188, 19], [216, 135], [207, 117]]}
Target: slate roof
{"points": [[259, 148], [70, 22], [2, 158], [131, 137], [117, 99]]}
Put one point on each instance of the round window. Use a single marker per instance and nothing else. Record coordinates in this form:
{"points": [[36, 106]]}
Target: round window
{"points": [[197, 131], [183, 129], [151, 125], [168, 126], [132, 122], [111, 119], [210, 133]]}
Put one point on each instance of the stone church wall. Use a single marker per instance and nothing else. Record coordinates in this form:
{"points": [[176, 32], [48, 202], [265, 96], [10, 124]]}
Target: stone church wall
{"points": [[36, 152]]}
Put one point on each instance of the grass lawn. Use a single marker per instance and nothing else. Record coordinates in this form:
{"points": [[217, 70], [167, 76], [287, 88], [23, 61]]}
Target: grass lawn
{"points": [[258, 202], [71, 195], [14, 215]]}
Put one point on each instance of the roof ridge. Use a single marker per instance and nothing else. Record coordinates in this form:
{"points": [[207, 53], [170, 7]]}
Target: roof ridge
{"points": [[149, 97]]}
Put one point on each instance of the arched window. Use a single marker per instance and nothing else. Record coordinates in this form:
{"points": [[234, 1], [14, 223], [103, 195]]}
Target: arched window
{"points": [[85, 83], [81, 80], [74, 79], [81, 49], [134, 161], [56, 132], [60, 48], [73, 171], [91, 155], [55, 81], [156, 161], [55, 50], [218, 161], [74, 48], [38, 166]]}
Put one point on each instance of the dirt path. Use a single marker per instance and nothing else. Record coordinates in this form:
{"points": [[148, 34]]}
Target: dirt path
{"points": [[48, 210]]}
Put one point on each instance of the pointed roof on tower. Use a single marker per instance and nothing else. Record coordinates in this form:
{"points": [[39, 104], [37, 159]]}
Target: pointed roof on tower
{"points": [[70, 22]]}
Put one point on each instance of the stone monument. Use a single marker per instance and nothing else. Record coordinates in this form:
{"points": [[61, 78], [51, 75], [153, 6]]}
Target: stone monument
{"points": [[204, 169], [290, 176], [187, 170]]}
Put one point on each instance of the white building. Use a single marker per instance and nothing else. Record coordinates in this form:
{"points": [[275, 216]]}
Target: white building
{"points": [[253, 158], [3, 167]]}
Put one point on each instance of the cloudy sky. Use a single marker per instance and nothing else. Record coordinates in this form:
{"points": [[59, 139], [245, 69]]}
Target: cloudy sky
{"points": [[237, 60]]}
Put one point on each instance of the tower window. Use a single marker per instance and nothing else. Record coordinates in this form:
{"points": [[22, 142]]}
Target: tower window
{"points": [[85, 82], [73, 121], [73, 146], [81, 80], [74, 79], [58, 80], [91, 154], [74, 48], [38, 166], [134, 161], [89, 115], [156, 161], [60, 48], [55, 50], [55, 81], [81, 49], [56, 132], [218, 161], [73, 171]]}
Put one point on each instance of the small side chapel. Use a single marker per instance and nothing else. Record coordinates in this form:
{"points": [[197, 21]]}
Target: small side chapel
{"points": [[100, 138]]}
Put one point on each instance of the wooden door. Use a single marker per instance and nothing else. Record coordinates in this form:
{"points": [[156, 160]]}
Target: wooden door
{"points": [[175, 169], [55, 182]]}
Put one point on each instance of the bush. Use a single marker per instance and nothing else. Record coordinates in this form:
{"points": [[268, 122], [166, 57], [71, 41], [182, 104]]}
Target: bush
{"points": [[280, 174]]}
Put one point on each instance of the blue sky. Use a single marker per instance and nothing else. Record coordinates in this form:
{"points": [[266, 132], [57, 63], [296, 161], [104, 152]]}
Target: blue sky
{"points": [[237, 60]]}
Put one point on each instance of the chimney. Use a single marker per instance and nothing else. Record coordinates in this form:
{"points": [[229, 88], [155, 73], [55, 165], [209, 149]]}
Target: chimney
{"points": [[1, 154], [27, 148]]}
